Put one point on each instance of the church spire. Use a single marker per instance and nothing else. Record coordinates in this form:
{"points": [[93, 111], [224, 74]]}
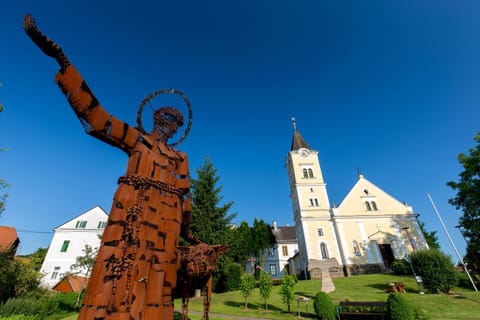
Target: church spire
{"points": [[297, 141]]}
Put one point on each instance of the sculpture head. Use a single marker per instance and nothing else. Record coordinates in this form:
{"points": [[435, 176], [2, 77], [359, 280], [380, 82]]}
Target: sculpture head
{"points": [[166, 121]]}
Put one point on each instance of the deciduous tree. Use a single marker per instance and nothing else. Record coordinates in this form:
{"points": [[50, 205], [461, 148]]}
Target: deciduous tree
{"points": [[287, 289], [17, 277], [263, 238], [240, 243], [265, 285], [468, 195], [247, 284]]}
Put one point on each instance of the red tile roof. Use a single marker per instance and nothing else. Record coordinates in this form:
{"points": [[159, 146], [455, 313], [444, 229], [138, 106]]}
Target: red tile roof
{"points": [[8, 238], [71, 283]]}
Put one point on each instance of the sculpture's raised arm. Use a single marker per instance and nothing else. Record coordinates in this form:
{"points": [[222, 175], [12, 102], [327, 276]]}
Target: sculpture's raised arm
{"points": [[48, 47], [95, 119]]}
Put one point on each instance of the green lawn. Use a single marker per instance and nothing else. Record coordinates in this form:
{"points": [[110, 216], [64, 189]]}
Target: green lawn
{"points": [[463, 304]]}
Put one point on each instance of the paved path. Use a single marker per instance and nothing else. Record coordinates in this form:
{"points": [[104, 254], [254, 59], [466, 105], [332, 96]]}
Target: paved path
{"points": [[327, 283], [220, 316]]}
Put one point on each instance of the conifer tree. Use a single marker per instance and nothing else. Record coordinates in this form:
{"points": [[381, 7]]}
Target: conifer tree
{"points": [[210, 220]]}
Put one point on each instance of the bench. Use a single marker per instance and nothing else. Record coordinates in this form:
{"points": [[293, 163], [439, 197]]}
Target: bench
{"points": [[358, 310]]}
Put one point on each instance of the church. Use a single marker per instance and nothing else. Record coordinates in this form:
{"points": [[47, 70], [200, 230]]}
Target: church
{"points": [[365, 233]]}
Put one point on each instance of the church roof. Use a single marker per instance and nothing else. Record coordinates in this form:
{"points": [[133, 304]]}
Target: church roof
{"points": [[365, 189], [297, 141]]}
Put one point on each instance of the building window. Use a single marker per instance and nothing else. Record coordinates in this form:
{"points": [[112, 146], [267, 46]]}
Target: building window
{"points": [[316, 202], [101, 224], [55, 272], [273, 270], [374, 206], [285, 251], [356, 248], [324, 250], [81, 224], [271, 252], [305, 173], [65, 246], [310, 173], [320, 232], [311, 202], [367, 206], [311, 189]]}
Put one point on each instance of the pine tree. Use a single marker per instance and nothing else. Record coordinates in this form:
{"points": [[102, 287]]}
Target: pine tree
{"points": [[210, 220]]}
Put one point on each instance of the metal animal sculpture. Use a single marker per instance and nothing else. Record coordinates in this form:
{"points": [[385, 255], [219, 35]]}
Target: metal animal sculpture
{"points": [[135, 272], [196, 266]]}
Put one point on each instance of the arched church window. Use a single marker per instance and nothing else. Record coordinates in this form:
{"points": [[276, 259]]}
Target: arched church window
{"points": [[310, 173], [367, 206], [316, 202], [324, 250], [311, 202], [305, 173], [374, 206]]}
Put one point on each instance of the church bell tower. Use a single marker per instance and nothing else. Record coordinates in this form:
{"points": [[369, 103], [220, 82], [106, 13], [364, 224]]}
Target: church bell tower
{"points": [[310, 203]]}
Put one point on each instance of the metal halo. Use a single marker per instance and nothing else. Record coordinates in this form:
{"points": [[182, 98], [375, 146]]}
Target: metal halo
{"points": [[160, 92]]}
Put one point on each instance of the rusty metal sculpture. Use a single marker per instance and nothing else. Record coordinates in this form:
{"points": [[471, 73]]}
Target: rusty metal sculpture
{"points": [[135, 273], [196, 266]]}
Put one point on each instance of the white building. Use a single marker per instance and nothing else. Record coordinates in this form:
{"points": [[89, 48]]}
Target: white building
{"points": [[68, 243], [365, 233]]}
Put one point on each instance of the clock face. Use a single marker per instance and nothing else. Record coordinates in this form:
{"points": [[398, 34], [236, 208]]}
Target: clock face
{"points": [[304, 152]]}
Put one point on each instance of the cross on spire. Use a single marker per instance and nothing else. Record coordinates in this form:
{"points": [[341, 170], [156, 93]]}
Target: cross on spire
{"points": [[294, 123]]}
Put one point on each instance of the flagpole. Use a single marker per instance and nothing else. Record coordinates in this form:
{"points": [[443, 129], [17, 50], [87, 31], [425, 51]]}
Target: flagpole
{"points": [[451, 241]]}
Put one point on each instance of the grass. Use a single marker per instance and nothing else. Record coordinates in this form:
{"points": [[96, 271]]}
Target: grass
{"points": [[463, 304]]}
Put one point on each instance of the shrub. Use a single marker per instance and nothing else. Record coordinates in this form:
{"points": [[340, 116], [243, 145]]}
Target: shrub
{"points": [[463, 280], [421, 314], [20, 317], [40, 307], [399, 308], [66, 302], [401, 267], [435, 268], [324, 307], [233, 274], [23, 306]]}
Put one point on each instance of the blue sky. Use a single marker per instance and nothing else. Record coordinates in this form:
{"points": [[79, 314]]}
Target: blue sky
{"points": [[389, 87]]}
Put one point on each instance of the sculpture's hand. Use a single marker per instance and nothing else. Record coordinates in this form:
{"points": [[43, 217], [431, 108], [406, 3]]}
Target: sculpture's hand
{"points": [[48, 47]]}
